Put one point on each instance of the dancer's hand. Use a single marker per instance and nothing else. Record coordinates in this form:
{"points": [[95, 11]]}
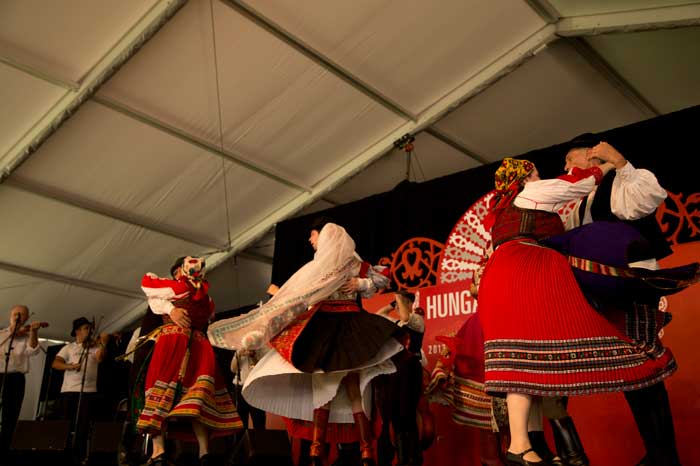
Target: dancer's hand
{"points": [[351, 286], [607, 153], [180, 317], [104, 338], [35, 326]]}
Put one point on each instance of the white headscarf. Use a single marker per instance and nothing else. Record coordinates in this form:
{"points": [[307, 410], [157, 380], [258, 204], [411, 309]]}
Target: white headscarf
{"points": [[333, 264]]}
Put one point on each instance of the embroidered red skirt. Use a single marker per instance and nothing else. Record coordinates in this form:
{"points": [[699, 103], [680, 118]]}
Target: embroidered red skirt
{"points": [[186, 384], [543, 338]]}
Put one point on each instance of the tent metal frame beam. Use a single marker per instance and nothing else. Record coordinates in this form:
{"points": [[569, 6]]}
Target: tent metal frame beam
{"points": [[40, 74], [307, 50], [550, 14], [125, 48], [609, 73], [74, 200], [630, 21], [54, 277], [199, 143], [446, 139], [545, 9]]}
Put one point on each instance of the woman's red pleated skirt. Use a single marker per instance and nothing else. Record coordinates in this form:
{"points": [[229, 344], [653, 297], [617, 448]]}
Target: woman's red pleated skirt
{"points": [[186, 385], [542, 337]]}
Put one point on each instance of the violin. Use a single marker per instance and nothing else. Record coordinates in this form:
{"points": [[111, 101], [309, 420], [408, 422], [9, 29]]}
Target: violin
{"points": [[95, 340], [24, 330]]}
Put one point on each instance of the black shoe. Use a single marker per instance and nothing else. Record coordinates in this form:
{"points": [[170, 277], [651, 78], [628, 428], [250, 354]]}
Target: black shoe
{"points": [[651, 409], [157, 461], [518, 459], [206, 460]]}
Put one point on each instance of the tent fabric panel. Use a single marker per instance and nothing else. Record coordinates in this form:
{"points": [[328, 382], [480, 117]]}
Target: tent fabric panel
{"points": [[317, 206], [431, 159], [286, 112], [73, 243], [252, 197], [58, 303], [167, 181], [173, 77], [265, 246], [551, 98], [239, 282], [68, 37], [411, 51], [661, 65], [25, 100]]}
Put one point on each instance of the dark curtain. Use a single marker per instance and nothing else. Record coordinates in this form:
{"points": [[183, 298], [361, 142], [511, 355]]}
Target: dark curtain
{"points": [[379, 224]]}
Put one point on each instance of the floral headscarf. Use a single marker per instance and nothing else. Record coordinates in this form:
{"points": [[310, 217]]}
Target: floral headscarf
{"points": [[509, 178], [511, 173]]}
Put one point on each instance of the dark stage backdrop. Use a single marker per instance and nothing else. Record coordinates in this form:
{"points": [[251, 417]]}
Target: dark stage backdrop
{"points": [[666, 145]]}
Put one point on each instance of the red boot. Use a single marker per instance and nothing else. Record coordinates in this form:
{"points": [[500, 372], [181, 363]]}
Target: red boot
{"points": [[366, 439], [318, 443]]}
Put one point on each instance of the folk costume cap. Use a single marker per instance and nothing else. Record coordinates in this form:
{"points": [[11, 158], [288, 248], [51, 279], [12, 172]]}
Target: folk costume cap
{"points": [[582, 141]]}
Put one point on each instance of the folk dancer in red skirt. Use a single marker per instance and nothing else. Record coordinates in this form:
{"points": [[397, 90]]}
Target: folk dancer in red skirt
{"points": [[542, 337], [325, 348], [184, 388]]}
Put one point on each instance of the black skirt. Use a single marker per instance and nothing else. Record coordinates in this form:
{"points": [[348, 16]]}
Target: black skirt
{"points": [[337, 341]]}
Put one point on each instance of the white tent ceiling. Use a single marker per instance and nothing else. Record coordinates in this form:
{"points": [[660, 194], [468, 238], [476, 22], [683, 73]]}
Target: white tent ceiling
{"points": [[137, 131]]}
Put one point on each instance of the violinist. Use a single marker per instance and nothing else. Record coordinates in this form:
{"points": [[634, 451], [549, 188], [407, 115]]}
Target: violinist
{"points": [[14, 363], [79, 360]]}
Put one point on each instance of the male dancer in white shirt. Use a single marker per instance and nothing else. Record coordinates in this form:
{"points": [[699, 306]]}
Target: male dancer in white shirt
{"points": [[631, 195]]}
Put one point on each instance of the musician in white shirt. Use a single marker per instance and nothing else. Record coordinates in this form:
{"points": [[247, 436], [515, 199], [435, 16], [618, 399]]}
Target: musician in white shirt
{"points": [[25, 344], [79, 360]]}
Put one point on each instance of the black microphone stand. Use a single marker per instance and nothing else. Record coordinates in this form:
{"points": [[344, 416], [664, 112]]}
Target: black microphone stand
{"points": [[7, 367], [84, 356]]}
